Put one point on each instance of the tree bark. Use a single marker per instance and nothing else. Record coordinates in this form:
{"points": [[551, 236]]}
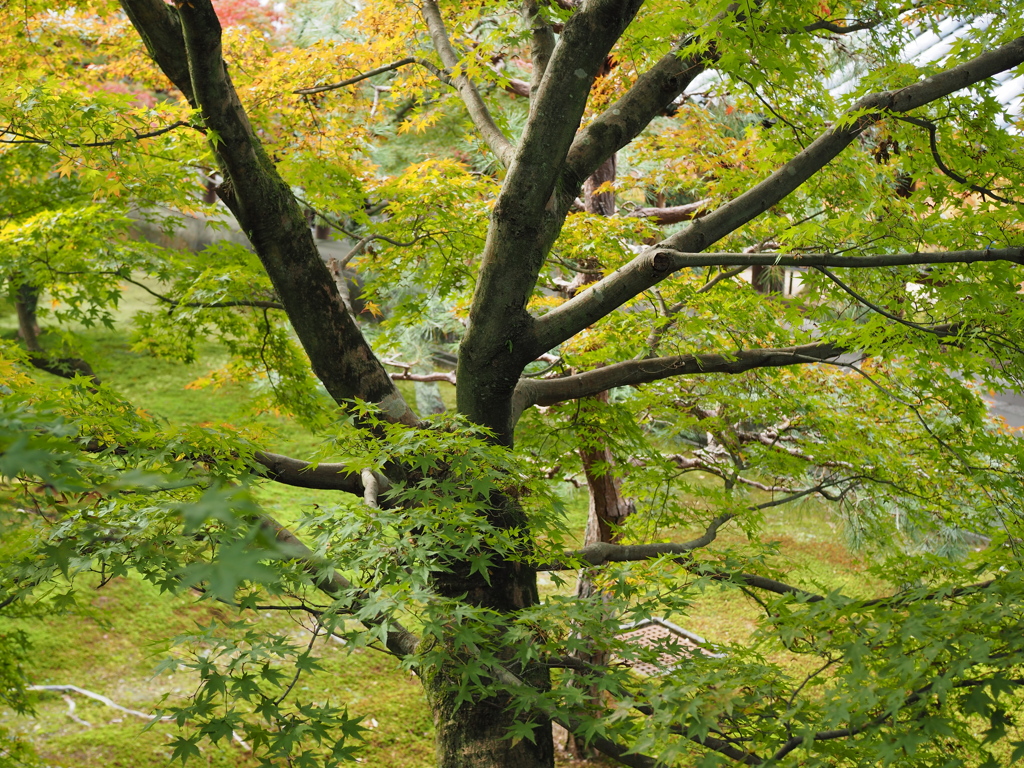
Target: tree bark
{"points": [[474, 734], [26, 299]]}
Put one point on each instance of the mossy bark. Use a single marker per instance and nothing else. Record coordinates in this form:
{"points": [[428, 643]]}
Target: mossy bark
{"points": [[474, 734]]}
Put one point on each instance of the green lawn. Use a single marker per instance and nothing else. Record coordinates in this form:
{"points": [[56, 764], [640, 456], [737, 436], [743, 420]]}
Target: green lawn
{"points": [[112, 644]]}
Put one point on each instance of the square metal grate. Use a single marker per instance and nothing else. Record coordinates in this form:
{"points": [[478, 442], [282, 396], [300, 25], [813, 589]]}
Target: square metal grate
{"points": [[678, 644]]}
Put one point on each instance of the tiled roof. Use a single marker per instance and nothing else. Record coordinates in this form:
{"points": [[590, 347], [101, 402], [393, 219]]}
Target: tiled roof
{"points": [[676, 645]]}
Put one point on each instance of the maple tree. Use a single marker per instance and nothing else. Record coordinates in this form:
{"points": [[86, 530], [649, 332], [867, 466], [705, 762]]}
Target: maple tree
{"points": [[895, 195]]}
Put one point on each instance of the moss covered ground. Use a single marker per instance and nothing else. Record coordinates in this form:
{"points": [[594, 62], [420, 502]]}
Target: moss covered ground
{"points": [[117, 637]]}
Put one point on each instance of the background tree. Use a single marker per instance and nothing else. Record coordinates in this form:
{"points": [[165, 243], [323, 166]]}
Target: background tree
{"points": [[437, 558]]}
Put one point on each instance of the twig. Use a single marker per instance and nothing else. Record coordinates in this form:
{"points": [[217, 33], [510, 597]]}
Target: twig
{"points": [[24, 138], [724, 275], [875, 307], [932, 129], [257, 303], [71, 712]]}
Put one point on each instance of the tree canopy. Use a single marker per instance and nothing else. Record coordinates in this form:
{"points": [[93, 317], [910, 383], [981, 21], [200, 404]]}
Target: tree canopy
{"points": [[551, 207]]}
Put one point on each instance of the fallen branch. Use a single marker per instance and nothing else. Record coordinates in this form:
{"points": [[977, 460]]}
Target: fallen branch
{"points": [[97, 697], [71, 712], [110, 703]]}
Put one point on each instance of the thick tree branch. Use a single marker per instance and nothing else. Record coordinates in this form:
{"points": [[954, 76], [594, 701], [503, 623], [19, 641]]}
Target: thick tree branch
{"points": [[659, 262], [673, 214], [478, 112], [632, 112], [328, 477], [303, 474], [633, 372], [160, 29], [542, 39], [676, 260], [265, 208]]}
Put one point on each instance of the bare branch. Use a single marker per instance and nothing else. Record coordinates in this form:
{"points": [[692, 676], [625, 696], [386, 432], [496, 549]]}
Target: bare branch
{"points": [[24, 138], [478, 112], [357, 78], [633, 372], [446, 376]]}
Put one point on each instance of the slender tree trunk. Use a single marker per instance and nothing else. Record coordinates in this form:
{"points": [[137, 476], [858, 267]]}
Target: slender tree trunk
{"points": [[607, 506], [26, 299]]}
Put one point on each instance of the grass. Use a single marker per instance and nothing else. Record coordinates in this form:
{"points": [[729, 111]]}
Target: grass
{"points": [[114, 640]]}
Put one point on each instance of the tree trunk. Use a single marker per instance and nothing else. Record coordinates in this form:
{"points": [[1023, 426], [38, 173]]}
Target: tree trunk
{"points": [[767, 279], [601, 203], [26, 299], [607, 507], [474, 733]]}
